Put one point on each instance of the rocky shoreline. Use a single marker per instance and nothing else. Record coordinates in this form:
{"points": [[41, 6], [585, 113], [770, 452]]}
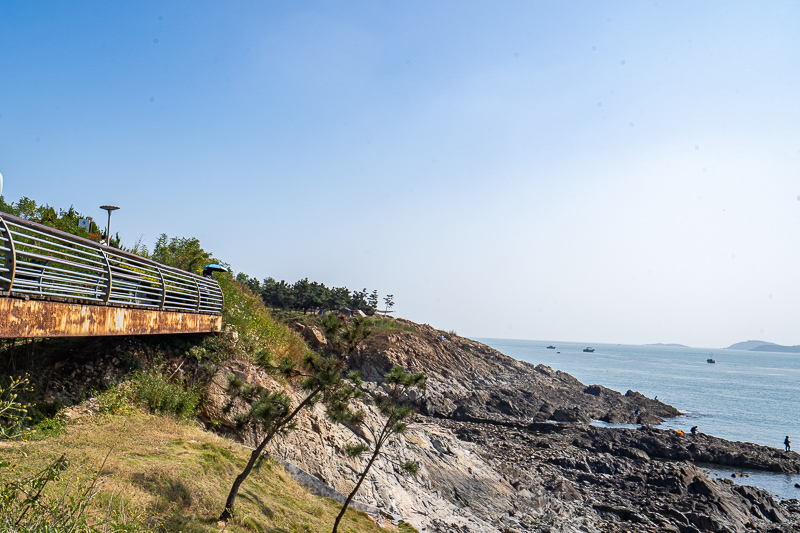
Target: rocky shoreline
{"points": [[645, 478], [505, 447], [565, 473]]}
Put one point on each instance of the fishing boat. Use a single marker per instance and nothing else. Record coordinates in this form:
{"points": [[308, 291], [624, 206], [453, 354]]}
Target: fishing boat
{"points": [[588, 349], [710, 360], [551, 347]]}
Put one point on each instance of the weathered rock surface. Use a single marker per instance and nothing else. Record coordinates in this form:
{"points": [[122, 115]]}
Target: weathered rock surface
{"points": [[470, 381], [700, 448], [485, 467], [609, 471]]}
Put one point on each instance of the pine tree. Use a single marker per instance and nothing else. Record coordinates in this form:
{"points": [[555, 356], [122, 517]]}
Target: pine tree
{"points": [[395, 406], [323, 380], [372, 301], [389, 301]]}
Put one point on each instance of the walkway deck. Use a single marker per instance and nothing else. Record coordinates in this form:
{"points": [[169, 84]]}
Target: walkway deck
{"points": [[54, 284]]}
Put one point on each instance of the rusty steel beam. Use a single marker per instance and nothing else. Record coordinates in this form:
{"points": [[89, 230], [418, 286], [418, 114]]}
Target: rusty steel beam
{"points": [[42, 318]]}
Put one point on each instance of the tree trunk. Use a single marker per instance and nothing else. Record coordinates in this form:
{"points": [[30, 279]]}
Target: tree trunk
{"points": [[227, 514], [352, 494]]}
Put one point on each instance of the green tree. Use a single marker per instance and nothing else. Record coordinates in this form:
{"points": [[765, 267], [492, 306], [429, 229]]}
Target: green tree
{"points": [[302, 293], [372, 301], [358, 300], [389, 301], [26, 208], [338, 297], [252, 283], [181, 252], [318, 293], [285, 295], [269, 292], [64, 220], [5, 207], [322, 380], [395, 405]]}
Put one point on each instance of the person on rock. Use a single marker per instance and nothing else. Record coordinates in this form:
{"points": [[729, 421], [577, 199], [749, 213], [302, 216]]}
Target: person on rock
{"points": [[694, 430], [788, 444]]}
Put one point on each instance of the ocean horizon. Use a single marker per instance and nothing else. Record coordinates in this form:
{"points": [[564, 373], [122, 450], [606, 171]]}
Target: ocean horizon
{"points": [[744, 396]]}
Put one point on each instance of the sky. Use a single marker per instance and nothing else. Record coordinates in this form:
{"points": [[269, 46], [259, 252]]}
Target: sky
{"points": [[599, 172]]}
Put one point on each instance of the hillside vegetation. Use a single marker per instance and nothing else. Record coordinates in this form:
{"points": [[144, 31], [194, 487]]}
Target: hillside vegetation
{"points": [[143, 461], [157, 473], [157, 468]]}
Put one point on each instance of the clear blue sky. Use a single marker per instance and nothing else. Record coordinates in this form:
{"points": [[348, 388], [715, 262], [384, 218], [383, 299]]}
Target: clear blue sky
{"points": [[584, 171]]}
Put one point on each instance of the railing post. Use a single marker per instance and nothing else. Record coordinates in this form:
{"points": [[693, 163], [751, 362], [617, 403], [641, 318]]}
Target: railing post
{"points": [[107, 296], [163, 289], [11, 256], [197, 286]]}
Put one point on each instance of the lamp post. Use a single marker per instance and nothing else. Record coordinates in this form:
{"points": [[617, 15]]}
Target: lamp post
{"points": [[109, 208]]}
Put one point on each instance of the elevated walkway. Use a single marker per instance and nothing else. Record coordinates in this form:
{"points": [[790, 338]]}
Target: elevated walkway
{"points": [[55, 284]]}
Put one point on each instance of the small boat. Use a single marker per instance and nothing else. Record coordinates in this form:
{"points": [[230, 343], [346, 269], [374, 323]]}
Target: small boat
{"points": [[710, 360], [551, 347], [588, 349]]}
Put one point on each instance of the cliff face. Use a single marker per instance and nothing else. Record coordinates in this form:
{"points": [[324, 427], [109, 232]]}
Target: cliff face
{"points": [[487, 466]]}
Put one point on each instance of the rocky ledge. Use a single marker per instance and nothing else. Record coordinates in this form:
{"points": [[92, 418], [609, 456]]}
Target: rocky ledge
{"points": [[470, 381], [505, 446], [625, 478]]}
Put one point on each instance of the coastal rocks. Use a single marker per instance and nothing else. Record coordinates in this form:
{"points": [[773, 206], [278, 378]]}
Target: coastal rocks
{"points": [[594, 479], [485, 466], [699, 448], [447, 494], [627, 491], [443, 496], [470, 381], [570, 415]]}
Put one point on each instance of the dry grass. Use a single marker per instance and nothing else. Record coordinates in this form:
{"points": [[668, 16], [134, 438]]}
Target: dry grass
{"points": [[172, 476]]}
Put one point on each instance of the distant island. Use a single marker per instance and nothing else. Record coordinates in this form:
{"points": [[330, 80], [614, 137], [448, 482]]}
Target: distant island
{"points": [[671, 344], [763, 346]]}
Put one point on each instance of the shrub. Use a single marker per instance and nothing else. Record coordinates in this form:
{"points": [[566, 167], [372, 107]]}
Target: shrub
{"points": [[252, 333], [50, 427], [13, 413], [160, 396], [117, 399]]}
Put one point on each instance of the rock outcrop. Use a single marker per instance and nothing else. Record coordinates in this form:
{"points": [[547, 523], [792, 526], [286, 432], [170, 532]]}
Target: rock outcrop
{"points": [[609, 471], [470, 381], [503, 447]]}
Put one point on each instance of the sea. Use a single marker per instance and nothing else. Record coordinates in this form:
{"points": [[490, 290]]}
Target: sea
{"points": [[744, 396]]}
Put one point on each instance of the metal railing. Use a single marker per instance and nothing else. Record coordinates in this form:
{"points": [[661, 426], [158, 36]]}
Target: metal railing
{"points": [[37, 261]]}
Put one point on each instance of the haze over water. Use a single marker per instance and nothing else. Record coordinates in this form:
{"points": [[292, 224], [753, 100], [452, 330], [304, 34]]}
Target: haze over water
{"points": [[744, 396]]}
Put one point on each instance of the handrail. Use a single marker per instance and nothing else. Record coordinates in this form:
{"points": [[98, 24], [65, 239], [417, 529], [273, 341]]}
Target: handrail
{"points": [[8, 260], [37, 261]]}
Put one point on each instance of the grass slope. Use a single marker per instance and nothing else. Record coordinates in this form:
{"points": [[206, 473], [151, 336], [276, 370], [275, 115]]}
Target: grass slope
{"points": [[162, 474]]}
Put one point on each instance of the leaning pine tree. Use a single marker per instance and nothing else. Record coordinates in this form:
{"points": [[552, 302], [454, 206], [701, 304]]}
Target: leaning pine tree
{"points": [[395, 405], [322, 379]]}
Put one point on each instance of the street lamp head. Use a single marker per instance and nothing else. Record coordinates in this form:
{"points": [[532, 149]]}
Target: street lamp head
{"points": [[109, 208]]}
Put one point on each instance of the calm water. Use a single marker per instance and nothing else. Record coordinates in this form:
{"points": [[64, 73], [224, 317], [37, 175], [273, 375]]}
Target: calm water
{"points": [[744, 396]]}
